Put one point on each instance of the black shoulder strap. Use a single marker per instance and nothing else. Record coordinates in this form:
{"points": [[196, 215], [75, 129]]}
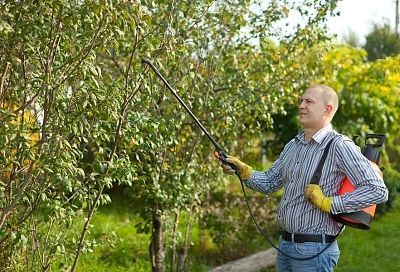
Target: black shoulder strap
{"points": [[318, 172]]}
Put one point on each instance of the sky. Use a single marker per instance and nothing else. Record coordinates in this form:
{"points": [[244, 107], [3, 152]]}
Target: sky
{"points": [[359, 16]]}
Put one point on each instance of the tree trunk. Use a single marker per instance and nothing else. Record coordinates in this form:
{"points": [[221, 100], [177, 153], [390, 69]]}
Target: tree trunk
{"points": [[202, 234], [174, 240], [182, 258], [185, 249], [157, 244], [397, 21]]}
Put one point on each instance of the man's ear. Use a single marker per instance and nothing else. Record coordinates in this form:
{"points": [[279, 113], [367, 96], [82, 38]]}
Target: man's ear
{"points": [[328, 109]]}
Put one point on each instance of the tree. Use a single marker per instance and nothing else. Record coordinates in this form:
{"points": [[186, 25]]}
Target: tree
{"points": [[382, 42], [351, 38], [368, 92], [104, 119], [49, 70], [397, 18]]}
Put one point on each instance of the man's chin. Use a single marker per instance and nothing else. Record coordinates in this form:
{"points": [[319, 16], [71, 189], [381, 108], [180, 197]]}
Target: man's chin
{"points": [[306, 124], [303, 121]]}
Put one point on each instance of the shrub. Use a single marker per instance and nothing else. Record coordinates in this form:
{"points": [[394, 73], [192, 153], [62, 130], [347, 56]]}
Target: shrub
{"points": [[231, 226], [392, 181]]}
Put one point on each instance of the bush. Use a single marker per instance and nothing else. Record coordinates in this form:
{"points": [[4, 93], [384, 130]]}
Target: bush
{"points": [[392, 181], [230, 224]]}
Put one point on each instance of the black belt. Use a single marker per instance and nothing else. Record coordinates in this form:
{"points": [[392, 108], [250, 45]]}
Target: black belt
{"points": [[302, 238]]}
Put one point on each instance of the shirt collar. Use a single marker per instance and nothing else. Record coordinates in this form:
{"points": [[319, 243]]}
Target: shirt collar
{"points": [[317, 137]]}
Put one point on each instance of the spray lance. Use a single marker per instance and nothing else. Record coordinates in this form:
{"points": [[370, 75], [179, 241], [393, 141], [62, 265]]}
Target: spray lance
{"points": [[219, 151], [222, 155]]}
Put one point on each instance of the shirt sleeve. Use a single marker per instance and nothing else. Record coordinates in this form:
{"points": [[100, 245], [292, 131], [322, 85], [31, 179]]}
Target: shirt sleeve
{"points": [[272, 179], [370, 188]]}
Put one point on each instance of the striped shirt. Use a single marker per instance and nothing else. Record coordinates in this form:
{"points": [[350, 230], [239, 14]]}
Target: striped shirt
{"points": [[295, 167]]}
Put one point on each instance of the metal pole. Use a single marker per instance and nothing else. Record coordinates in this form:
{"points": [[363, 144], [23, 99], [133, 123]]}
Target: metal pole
{"points": [[217, 146], [397, 22]]}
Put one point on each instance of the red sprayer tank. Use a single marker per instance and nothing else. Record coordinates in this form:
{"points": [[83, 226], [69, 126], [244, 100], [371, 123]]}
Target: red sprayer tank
{"points": [[362, 219]]}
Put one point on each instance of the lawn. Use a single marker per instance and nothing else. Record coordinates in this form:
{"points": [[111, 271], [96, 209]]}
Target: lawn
{"points": [[124, 249], [373, 250]]}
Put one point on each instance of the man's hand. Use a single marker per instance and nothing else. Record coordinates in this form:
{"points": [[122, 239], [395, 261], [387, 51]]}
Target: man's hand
{"points": [[314, 194], [243, 170]]}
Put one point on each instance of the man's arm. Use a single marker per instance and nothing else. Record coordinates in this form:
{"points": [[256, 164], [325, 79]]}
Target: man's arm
{"points": [[272, 179], [370, 188]]}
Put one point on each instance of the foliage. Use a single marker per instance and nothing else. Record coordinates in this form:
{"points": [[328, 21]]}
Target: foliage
{"points": [[104, 119], [50, 70], [371, 88], [351, 38], [382, 42], [80, 113], [232, 228], [392, 181]]}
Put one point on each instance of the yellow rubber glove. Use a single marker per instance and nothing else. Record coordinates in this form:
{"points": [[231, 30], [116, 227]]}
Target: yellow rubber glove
{"points": [[314, 194], [243, 170]]}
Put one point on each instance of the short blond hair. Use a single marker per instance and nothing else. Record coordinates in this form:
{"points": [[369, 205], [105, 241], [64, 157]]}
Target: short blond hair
{"points": [[328, 95]]}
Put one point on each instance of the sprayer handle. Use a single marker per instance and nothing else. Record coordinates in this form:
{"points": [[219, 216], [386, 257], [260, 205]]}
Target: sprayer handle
{"points": [[221, 155], [378, 139]]}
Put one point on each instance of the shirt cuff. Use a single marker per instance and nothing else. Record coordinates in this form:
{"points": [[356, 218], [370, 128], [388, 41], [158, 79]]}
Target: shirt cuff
{"points": [[250, 178], [337, 205]]}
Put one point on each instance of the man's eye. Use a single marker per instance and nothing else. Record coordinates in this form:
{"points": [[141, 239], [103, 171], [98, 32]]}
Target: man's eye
{"points": [[307, 101]]}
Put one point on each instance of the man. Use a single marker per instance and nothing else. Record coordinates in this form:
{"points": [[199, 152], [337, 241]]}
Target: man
{"points": [[304, 209]]}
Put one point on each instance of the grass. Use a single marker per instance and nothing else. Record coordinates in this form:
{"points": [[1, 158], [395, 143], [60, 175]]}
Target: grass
{"points": [[126, 250], [374, 250], [123, 249]]}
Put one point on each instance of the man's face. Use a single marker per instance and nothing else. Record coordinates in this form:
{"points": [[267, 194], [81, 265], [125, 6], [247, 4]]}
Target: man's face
{"points": [[312, 109]]}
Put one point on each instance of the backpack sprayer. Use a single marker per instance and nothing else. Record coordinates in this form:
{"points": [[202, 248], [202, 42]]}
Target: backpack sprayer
{"points": [[351, 219], [361, 219]]}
